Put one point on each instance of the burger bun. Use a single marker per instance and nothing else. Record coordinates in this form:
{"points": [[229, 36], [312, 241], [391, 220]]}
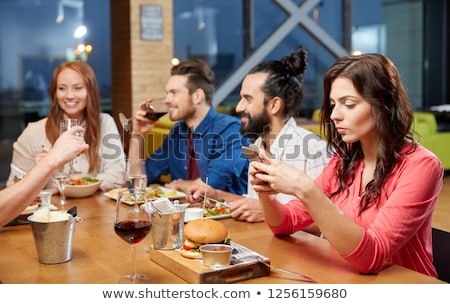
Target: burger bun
{"points": [[190, 254], [201, 231], [205, 231]]}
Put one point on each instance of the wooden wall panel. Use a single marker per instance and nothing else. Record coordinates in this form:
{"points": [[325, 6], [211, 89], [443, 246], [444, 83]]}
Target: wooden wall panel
{"points": [[140, 68]]}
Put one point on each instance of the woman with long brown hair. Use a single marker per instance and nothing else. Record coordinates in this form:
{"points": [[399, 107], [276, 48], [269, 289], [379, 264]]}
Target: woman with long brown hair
{"points": [[74, 94], [375, 199]]}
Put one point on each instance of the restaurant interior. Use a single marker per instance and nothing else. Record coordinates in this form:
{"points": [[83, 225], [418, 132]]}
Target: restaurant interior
{"points": [[131, 44]]}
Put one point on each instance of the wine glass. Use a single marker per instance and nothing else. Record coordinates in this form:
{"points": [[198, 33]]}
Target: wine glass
{"points": [[136, 176], [65, 125], [156, 108], [125, 122], [62, 179], [132, 224]]}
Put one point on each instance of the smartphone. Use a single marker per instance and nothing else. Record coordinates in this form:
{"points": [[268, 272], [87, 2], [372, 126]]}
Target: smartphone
{"points": [[252, 153]]}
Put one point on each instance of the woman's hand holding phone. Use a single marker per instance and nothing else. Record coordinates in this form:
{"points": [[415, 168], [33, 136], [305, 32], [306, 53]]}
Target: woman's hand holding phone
{"points": [[252, 153]]}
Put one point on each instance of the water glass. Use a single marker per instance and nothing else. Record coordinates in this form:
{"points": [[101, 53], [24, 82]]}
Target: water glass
{"points": [[136, 176], [45, 196]]}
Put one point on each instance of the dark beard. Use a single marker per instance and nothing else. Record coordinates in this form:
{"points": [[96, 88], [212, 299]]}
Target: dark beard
{"points": [[256, 125]]}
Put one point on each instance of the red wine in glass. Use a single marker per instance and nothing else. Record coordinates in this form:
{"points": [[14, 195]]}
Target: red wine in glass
{"points": [[132, 231], [156, 108], [132, 224], [155, 115]]}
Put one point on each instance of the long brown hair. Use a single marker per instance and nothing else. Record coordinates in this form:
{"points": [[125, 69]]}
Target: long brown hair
{"points": [[377, 80], [91, 113]]}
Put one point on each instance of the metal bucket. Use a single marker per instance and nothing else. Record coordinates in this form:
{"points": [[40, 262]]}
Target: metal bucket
{"points": [[53, 240], [167, 228]]}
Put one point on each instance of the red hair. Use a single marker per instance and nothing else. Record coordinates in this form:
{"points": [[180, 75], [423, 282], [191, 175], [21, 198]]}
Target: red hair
{"points": [[91, 113]]}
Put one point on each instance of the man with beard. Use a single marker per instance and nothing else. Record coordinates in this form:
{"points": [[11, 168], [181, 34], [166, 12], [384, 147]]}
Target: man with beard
{"points": [[271, 96], [201, 144]]}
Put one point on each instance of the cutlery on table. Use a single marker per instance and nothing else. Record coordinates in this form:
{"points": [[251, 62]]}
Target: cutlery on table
{"points": [[296, 274], [223, 204]]}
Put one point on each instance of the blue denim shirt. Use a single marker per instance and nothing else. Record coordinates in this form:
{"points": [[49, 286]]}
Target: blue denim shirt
{"points": [[217, 145]]}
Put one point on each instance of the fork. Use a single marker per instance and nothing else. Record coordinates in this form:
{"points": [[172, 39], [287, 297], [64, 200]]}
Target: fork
{"points": [[223, 204]]}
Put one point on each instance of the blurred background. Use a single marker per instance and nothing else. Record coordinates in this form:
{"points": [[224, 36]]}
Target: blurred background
{"points": [[37, 35]]}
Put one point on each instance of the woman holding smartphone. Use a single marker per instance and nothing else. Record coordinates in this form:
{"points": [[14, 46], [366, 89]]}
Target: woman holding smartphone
{"points": [[375, 199]]}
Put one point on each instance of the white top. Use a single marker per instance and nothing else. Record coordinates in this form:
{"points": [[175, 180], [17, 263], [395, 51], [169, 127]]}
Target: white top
{"points": [[112, 156], [298, 147]]}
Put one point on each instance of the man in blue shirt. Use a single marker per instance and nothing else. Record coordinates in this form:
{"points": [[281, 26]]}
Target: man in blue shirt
{"points": [[214, 138]]}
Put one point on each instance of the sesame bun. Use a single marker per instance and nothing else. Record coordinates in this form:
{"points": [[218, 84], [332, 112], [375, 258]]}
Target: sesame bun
{"points": [[205, 231]]}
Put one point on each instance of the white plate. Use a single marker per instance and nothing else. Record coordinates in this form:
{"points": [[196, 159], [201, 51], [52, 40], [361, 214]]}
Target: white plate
{"points": [[30, 209], [218, 217], [172, 194]]}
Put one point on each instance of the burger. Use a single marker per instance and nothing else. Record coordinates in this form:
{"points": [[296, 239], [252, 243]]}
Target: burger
{"points": [[199, 232]]}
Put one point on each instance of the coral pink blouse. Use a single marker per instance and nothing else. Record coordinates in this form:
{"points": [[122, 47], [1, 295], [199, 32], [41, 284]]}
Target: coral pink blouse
{"points": [[398, 230]]}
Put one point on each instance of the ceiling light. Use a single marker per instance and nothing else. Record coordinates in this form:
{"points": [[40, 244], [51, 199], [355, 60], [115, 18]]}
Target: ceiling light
{"points": [[80, 32]]}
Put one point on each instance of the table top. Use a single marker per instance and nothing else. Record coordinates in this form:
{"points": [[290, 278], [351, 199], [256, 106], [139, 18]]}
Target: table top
{"points": [[100, 256]]}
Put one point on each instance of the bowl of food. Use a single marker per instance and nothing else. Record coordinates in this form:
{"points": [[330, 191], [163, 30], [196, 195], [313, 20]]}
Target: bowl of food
{"points": [[82, 187]]}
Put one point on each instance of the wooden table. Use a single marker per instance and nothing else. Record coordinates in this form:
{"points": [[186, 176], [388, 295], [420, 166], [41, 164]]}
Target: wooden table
{"points": [[100, 256]]}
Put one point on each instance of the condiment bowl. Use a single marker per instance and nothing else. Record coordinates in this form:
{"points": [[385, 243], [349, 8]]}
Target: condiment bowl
{"points": [[216, 254]]}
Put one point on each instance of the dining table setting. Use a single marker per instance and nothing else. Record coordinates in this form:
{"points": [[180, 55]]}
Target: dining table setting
{"points": [[99, 254]]}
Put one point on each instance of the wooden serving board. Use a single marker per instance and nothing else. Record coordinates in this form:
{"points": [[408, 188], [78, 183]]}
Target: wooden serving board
{"points": [[244, 266]]}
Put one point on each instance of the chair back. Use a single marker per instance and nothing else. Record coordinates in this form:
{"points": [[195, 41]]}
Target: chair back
{"points": [[316, 115], [425, 123], [441, 253]]}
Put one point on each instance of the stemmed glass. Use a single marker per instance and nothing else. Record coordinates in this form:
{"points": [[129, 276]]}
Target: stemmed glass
{"points": [[125, 122], [136, 176], [132, 224], [62, 179], [65, 125], [156, 108]]}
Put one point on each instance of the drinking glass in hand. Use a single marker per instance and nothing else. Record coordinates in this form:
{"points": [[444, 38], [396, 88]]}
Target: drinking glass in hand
{"points": [[132, 224], [156, 108], [65, 125], [62, 179], [136, 176]]}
